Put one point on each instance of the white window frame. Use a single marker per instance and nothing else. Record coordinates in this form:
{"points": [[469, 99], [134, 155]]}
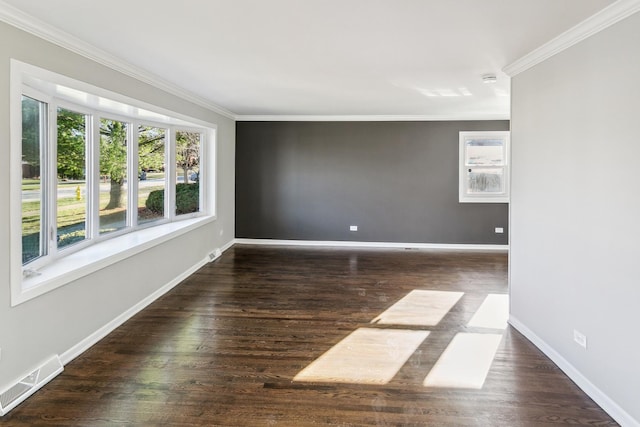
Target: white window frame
{"points": [[168, 189], [45, 165], [464, 195], [54, 251], [202, 173], [132, 135], [61, 266]]}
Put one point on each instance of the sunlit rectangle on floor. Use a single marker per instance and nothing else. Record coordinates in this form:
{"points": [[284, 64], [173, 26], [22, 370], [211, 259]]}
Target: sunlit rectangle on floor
{"points": [[466, 361], [493, 313], [419, 308], [366, 356]]}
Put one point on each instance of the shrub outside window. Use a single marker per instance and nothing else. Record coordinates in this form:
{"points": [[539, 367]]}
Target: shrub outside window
{"points": [[187, 172], [152, 177]]}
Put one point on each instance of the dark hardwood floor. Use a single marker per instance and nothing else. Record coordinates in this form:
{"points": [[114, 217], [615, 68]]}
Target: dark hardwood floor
{"points": [[223, 347]]}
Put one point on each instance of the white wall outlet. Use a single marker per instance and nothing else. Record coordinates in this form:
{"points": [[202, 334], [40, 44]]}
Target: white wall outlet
{"points": [[580, 338], [499, 230], [353, 228], [221, 231]]}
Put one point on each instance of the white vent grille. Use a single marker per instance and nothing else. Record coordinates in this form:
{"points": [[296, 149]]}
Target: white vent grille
{"points": [[24, 388], [11, 395]]}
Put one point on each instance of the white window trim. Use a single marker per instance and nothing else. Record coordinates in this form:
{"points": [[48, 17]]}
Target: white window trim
{"points": [[202, 173], [135, 164], [463, 195], [53, 164], [45, 165], [76, 262]]}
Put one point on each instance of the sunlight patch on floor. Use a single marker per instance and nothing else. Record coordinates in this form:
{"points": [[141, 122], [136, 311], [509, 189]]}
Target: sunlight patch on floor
{"points": [[419, 308], [465, 362], [493, 313], [366, 356]]}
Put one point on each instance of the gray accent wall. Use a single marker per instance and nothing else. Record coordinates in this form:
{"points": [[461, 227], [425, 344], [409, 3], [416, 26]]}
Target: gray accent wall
{"points": [[397, 181]]}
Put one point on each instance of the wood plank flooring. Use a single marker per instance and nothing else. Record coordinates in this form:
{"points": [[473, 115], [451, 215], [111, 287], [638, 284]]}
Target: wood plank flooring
{"points": [[223, 347]]}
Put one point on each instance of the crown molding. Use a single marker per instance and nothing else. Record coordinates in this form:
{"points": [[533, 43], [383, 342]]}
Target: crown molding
{"points": [[41, 29], [608, 16], [370, 118], [32, 25]]}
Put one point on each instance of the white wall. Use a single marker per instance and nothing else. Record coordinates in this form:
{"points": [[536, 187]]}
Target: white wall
{"points": [[53, 323], [575, 212]]}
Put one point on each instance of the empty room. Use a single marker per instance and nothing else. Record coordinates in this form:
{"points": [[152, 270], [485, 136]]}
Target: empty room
{"points": [[303, 213]]}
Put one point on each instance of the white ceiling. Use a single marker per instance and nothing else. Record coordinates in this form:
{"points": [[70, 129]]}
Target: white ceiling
{"points": [[324, 57]]}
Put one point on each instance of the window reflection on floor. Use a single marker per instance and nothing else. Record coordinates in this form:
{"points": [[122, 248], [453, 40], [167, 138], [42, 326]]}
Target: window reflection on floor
{"points": [[375, 355], [466, 361], [419, 308], [493, 313], [367, 356]]}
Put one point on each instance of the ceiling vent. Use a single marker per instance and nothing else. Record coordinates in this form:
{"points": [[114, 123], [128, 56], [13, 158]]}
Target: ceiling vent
{"points": [[489, 78]]}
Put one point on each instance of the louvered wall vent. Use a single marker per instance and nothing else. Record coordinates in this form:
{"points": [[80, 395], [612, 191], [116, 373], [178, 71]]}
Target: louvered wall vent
{"points": [[24, 388]]}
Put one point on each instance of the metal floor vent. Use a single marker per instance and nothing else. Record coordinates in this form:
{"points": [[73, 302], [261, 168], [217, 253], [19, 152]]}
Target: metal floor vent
{"points": [[24, 388]]}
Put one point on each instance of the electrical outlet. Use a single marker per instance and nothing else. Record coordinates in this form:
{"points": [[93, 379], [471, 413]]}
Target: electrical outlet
{"points": [[580, 339], [499, 230], [353, 228]]}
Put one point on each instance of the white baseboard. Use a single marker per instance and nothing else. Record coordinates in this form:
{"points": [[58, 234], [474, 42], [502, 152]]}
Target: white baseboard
{"points": [[390, 245], [227, 245], [598, 396], [92, 339]]}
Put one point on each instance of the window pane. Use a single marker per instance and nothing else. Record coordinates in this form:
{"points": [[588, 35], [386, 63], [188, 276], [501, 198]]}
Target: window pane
{"points": [[485, 180], [151, 173], [33, 134], [113, 175], [71, 162], [484, 152], [188, 172]]}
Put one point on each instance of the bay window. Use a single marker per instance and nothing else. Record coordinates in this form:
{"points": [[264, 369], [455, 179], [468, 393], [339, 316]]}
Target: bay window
{"points": [[94, 168]]}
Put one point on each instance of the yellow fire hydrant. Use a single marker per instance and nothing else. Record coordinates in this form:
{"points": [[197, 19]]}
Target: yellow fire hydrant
{"points": [[78, 196]]}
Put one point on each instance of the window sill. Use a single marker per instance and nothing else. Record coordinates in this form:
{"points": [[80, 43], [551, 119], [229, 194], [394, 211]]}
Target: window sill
{"points": [[98, 256]]}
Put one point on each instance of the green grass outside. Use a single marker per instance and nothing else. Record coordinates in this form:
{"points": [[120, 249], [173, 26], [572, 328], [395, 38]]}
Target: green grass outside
{"points": [[34, 184], [72, 211], [71, 214]]}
